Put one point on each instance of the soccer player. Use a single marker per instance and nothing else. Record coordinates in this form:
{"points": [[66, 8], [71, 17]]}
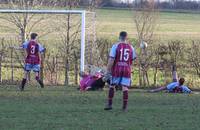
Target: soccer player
{"points": [[91, 82], [32, 61], [177, 86], [119, 68]]}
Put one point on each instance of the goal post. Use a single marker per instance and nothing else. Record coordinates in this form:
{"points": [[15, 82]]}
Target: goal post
{"points": [[83, 25]]}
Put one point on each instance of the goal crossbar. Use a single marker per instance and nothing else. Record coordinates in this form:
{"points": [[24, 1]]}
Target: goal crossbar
{"points": [[43, 11], [83, 24]]}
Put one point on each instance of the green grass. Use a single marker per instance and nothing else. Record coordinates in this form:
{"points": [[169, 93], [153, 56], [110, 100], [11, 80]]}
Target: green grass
{"points": [[171, 25], [60, 108]]}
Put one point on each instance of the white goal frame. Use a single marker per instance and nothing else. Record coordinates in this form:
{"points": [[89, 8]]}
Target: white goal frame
{"points": [[83, 25]]}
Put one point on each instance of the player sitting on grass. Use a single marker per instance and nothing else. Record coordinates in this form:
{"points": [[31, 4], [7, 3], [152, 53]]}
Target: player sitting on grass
{"points": [[32, 61], [119, 69], [176, 86], [91, 82]]}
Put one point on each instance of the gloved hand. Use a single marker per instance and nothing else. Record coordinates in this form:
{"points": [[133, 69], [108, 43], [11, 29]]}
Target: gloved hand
{"points": [[107, 77]]}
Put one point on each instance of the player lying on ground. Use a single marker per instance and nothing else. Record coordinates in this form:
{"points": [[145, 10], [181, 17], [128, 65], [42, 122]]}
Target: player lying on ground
{"points": [[91, 82], [119, 69], [32, 61], [176, 86]]}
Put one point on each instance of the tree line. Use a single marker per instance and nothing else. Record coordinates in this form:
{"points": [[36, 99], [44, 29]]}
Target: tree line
{"points": [[170, 4]]}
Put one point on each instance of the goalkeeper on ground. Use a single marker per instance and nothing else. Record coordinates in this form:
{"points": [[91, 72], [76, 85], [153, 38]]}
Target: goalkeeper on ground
{"points": [[91, 82]]}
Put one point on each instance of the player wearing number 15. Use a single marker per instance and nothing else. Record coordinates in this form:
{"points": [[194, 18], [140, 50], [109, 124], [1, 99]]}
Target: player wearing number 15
{"points": [[32, 61], [119, 66]]}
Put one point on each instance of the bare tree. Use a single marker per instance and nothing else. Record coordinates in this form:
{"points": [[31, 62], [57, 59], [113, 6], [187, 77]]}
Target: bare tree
{"points": [[145, 61], [104, 46], [159, 51], [194, 56], [167, 56], [161, 61], [24, 23], [145, 19], [2, 53], [51, 66], [19, 21], [175, 49], [76, 57], [93, 4], [70, 46], [69, 29]]}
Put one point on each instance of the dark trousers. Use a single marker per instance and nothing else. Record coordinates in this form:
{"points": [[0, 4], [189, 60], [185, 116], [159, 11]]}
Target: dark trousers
{"points": [[98, 84]]}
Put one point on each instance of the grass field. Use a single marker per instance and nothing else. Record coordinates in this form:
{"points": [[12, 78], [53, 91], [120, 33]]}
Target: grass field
{"points": [[170, 25], [67, 109]]}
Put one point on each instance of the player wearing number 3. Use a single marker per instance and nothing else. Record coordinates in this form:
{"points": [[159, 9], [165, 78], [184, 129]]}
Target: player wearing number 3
{"points": [[119, 67], [32, 61]]}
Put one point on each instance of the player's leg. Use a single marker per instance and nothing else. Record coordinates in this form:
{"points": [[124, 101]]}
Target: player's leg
{"points": [[158, 89], [125, 97], [112, 82], [110, 98], [37, 78], [36, 69], [98, 84], [125, 83], [88, 88], [27, 69], [174, 74]]}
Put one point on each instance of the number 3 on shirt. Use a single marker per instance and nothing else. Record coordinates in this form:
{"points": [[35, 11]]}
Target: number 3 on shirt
{"points": [[32, 49], [124, 54]]}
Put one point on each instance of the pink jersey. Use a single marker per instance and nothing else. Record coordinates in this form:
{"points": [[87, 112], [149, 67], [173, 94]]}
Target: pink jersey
{"points": [[123, 55], [32, 53], [88, 80]]}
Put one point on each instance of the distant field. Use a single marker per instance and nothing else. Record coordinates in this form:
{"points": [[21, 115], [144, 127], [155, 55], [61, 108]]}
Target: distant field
{"points": [[59, 108], [109, 22], [171, 25]]}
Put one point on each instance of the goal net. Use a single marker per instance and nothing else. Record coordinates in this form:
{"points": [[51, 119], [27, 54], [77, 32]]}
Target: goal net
{"points": [[68, 35]]}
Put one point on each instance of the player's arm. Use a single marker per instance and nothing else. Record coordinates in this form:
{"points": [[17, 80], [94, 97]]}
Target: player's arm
{"points": [[41, 53], [168, 87], [134, 55], [112, 56], [186, 89], [107, 76], [42, 50], [158, 89], [16, 47], [23, 46], [110, 64]]}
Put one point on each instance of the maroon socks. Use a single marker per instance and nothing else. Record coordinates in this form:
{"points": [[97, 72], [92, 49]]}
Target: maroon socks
{"points": [[23, 84], [125, 99], [39, 81], [110, 96]]}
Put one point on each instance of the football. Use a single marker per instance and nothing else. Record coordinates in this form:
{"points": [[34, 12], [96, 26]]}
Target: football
{"points": [[143, 45]]}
